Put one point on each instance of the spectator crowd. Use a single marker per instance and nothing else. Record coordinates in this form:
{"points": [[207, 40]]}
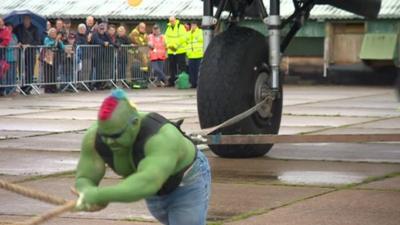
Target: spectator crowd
{"points": [[180, 47]]}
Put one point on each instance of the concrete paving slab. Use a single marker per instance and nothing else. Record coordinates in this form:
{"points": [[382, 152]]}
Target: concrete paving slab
{"points": [[18, 205], [228, 200], [91, 114], [28, 124], [322, 121], [190, 127], [392, 183], [384, 100], [143, 99], [193, 119], [357, 130], [177, 115], [12, 178], [337, 208], [267, 171], [157, 107], [361, 103], [341, 111], [298, 129], [33, 163], [14, 111], [53, 142], [382, 124], [10, 134], [225, 201], [160, 92], [296, 101], [332, 92], [389, 95], [366, 152], [62, 115], [76, 221], [186, 101], [41, 102]]}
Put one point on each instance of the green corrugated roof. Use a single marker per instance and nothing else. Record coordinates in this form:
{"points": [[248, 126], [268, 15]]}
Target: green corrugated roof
{"points": [[162, 9]]}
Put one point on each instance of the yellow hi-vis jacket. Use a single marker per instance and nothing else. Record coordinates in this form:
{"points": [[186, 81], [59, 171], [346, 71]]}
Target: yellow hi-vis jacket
{"points": [[194, 48], [175, 38]]}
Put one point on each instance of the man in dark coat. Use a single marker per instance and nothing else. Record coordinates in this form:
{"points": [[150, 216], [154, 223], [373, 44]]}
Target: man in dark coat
{"points": [[103, 56], [28, 35]]}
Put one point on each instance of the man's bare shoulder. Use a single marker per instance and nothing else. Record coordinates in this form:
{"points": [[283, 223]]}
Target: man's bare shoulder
{"points": [[89, 138]]}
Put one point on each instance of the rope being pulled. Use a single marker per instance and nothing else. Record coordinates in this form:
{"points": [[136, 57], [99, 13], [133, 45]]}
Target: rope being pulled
{"points": [[31, 193], [69, 206], [65, 206]]}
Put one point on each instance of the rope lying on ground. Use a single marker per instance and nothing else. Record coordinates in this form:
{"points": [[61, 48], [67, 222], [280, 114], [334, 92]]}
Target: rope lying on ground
{"points": [[65, 206]]}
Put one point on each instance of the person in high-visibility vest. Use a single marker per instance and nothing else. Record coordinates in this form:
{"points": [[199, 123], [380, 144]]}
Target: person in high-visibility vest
{"points": [[175, 39], [158, 54], [194, 52]]}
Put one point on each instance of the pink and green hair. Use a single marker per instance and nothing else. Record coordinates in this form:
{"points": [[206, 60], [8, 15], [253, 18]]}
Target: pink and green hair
{"points": [[111, 103]]}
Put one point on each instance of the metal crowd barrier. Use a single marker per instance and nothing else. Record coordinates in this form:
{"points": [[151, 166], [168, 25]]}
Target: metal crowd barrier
{"points": [[48, 67], [85, 67], [10, 70]]}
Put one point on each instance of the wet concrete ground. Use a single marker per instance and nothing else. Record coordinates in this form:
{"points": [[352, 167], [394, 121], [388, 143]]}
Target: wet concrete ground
{"points": [[356, 183]]}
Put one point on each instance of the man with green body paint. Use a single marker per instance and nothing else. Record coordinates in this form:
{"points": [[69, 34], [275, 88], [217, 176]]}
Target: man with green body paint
{"points": [[157, 161]]}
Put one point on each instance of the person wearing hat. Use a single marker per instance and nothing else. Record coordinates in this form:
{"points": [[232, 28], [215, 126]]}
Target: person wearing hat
{"points": [[154, 158], [102, 56], [175, 38], [194, 52], [28, 35], [158, 54]]}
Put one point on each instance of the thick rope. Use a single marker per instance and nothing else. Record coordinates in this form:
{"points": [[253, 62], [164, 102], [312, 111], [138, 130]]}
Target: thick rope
{"points": [[31, 193], [69, 206]]}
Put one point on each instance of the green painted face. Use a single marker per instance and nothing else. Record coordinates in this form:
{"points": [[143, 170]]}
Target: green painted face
{"points": [[120, 130]]}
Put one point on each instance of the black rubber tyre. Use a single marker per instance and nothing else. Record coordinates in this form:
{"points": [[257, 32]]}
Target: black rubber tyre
{"points": [[228, 74], [397, 84]]}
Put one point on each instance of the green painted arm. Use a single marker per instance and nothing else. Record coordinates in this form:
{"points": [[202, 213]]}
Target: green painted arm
{"points": [[91, 168]]}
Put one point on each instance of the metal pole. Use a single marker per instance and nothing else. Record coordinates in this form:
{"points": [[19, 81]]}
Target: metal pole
{"points": [[207, 22], [274, 27]]}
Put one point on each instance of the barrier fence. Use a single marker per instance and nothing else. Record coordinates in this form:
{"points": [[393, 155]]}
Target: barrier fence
{"points": [[83, 67]]}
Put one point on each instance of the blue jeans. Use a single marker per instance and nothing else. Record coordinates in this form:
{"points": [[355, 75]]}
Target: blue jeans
{"points": [[188, 204], [158, 69]]}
